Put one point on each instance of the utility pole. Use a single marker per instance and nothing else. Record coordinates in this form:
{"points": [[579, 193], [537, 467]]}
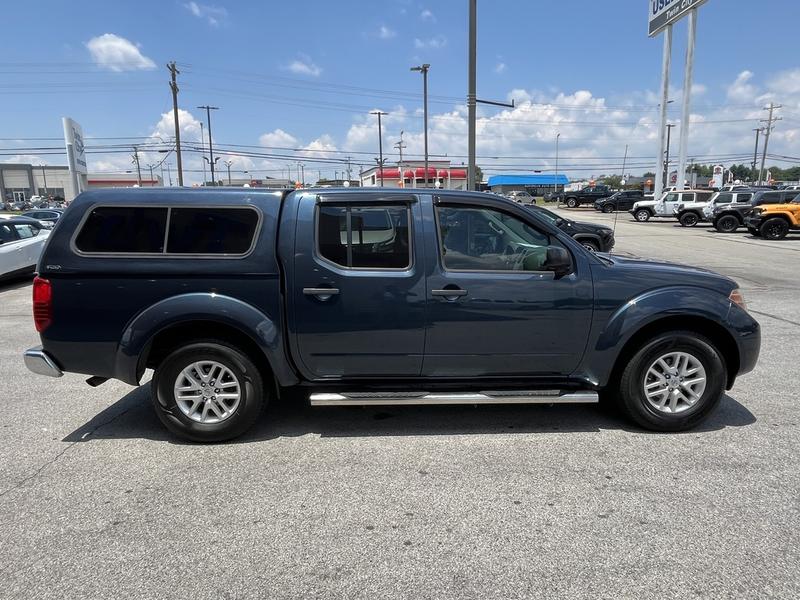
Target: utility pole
{"points": [[380, 141], [555, 179], [666, 58], [624, 162], [666, 160], [767, 130], [138, 167], [169, 175], [228, 164], [208, 110], [203, 152], [755, 154], [472, 98], [150, 166], [348, 167], [302, 168], [424, 70], [400, 146], [174, 87], [44, 177]]}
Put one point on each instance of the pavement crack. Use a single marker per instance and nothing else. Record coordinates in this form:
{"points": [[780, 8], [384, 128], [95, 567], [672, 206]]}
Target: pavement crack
{"points": [[777, 318], [53, 460]]}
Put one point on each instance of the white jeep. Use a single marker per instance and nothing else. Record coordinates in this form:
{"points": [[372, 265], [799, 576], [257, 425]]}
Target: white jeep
{"points": [[666, 205]]}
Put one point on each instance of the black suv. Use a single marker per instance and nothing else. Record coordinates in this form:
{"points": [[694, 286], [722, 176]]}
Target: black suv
{"points": [[727, 218], [619, 201], [595, 238]]}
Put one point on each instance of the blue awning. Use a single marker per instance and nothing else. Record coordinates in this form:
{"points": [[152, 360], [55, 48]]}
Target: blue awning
{"points": [[536, 179]]}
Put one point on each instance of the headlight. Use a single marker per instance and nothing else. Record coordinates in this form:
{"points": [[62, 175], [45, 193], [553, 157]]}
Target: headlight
{"points": [[737, 298], [758, 211]]}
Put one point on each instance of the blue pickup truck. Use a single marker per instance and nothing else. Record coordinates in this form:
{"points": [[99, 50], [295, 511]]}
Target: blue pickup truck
{"points": [[372, 297]]}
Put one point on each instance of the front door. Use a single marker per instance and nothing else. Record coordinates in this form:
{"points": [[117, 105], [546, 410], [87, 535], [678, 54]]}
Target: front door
{"points": [[358, 299], [11, 249], [493, 306]]}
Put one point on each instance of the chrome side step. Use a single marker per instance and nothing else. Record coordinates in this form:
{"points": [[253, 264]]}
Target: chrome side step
{"points": [[489, 397]]}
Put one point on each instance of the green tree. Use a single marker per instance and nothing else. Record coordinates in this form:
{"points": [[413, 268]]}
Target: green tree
{"points": [[613, 181], [478, 175]]}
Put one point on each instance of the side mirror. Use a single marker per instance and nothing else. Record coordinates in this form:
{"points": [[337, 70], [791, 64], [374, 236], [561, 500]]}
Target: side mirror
{"points": [[558, 260]]}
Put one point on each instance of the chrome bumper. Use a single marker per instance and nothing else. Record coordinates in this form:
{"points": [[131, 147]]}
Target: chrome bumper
{"points": [[39, 362]]}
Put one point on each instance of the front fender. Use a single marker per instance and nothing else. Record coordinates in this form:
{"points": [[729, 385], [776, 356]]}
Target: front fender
{"points": [[645, 309], [264, 330]]}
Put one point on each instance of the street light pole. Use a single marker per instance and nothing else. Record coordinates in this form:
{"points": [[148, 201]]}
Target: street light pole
{"points": [[472, 91], [380, 141], [228, 164], [44, 177], [666, 160], [208, 110], [203, 152], [424, 70], [555, 179], [755, 153]]}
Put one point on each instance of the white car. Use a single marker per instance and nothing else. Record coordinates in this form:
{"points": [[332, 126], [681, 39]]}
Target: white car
{"points": [[21, 244], [644, 210]]}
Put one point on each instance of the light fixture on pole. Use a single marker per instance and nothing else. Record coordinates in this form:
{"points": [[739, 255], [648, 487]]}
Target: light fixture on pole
{"points": [[228, 164], [211, 160], [424, 70], [555, 179]]}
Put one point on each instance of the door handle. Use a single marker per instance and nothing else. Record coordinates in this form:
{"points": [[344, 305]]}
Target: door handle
{"points": [[321, 293], [450, 294]]}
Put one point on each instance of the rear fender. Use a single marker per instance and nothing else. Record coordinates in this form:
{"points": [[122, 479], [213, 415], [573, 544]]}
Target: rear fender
{"points": [[262, 329]]}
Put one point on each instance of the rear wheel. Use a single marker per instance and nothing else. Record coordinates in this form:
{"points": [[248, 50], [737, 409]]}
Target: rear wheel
{"points": [[775, 228], [572, 203], [673, 382], [726, 224], [642, 215], [208, 391], [688, 219], [608, 208]]}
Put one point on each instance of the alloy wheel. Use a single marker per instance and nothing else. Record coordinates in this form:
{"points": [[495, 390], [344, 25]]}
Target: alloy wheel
{"points": [[207, 392], [674, 382]]}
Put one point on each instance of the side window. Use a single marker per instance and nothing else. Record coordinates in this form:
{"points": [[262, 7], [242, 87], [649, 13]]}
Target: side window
{"points": [[129, 230], [6, 234], [365, 237], [482, 239], [727, 198], [672, 198], [25, 231], [743, 197], [228, 231]]}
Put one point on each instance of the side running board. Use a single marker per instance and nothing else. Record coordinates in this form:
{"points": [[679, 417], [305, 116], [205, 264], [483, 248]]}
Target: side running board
{"points": [[414, 398]]}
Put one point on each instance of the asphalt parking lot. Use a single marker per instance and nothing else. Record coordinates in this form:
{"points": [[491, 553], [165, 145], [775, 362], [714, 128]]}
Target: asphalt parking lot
{"points": [[98, 501]]}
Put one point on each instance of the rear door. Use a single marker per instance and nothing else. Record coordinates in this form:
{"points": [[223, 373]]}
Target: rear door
{"points": [[358, 287], [30, 244], [493, 307]]}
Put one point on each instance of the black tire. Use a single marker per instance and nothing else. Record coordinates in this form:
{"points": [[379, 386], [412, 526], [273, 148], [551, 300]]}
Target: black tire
{"points": [[688, 219], [252, 393], [775, 228], [632, 399], [642, 215], [572, 203], [590, 245], [608, 208], [753, 231], [726, 224]]}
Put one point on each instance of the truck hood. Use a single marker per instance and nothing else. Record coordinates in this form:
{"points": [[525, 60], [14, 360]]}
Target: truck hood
{"points": [[662, 273], [645, 203]]}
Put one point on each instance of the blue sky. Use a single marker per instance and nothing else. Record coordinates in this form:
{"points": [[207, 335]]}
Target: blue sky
{"points": [[305, 75]]}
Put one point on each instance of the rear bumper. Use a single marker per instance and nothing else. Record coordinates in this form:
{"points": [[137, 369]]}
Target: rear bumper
{"points": [[40, 362]]}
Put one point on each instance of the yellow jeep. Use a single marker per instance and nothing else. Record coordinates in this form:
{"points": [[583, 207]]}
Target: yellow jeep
{"points": [[774, 221]]}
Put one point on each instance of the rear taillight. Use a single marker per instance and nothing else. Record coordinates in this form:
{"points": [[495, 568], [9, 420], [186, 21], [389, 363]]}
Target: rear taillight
{"points": [[42, 303]]}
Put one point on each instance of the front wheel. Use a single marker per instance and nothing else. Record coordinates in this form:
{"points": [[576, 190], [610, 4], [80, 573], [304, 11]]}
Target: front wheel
{"points": [[688, 219], [590, 245], [608, 208], [642, 215], [572, 203], [775, 228], [673, 382], [208, 391]]}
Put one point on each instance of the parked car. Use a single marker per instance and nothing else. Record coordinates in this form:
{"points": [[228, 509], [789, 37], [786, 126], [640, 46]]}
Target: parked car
{"points": [[690, 214], [372, 297], [21, 243], [521, 196], [774, 221], [645, 210], [553, 197], [593, 237], [587, 195], [729, 217], [49, 216], [623, 200]]}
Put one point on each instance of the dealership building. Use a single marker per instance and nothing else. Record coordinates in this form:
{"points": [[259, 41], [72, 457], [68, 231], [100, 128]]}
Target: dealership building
{"points": [[20, 181], [411, 174]]}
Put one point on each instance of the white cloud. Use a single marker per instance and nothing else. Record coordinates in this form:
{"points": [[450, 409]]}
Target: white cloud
{"points": [[212, 14], [500, 68], [118, 54], [787, 82], [428, 16], [385, 33], [30, 159], [303, 65], [278, 139], [434, 43], [741, 90]]}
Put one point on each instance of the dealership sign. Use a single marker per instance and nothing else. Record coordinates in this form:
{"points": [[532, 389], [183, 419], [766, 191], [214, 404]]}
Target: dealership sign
{"points": [[76, 152], [666, 12]]}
